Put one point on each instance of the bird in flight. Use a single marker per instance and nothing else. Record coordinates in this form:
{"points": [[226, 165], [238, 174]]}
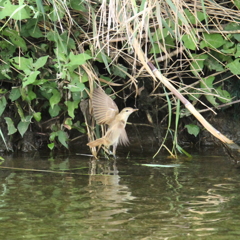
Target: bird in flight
{"points": [[105, 111]]}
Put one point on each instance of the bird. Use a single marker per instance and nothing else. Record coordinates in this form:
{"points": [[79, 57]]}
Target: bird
{"points": [[105, 111]]}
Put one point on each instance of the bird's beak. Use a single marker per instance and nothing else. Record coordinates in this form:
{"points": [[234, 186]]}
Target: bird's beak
{"points": [[134, 110]]}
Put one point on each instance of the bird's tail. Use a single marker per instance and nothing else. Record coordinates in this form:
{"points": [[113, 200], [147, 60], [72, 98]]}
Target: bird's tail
{"points": [[97, 142]]}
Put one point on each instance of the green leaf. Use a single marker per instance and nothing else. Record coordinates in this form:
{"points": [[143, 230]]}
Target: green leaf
{"points": [[31, 95], [40, 82], [54, 111], [37, 116], [16, 12], [229, 47], [198, 62], [79, 59], [79, 127], [52, 136], [56, 15], [160, 34], [51, 146], [155, 48], [14, 94], [225, 95], [169, 42], [77, 5], [212, 64], [103, 58], [69, 41], [15, 38], [71, 106], [213, 40], [84, 78], [10, 125], [3, 104], [22, 63], [193, 129], [119, 70], [237, 3], [190, 41], [194, 17], [75, 85], [22, 127], [207, 85], [193, 95], [62, 137], [237, 54], [55, 99], [234, 66], [40, 62], [233, 26], [31, 78], [68, 122], [31, 28]]}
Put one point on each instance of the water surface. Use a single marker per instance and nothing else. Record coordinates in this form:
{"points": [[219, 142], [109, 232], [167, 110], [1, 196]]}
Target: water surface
{"points": [[76, 197]]}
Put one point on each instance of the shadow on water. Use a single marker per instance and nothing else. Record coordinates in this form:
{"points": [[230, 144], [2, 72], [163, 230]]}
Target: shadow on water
{"points": [[75, 197]]}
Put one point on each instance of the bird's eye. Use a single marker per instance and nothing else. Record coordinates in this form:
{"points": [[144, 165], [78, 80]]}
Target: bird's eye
{"points": [[127, 110]]}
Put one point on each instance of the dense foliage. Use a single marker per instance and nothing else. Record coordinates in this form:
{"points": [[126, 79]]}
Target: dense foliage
{"points": [[53, 53]]}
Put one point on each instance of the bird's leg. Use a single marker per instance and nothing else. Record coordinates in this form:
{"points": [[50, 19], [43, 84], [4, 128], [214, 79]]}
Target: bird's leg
{"points": [[108, 152], [114, 150]]}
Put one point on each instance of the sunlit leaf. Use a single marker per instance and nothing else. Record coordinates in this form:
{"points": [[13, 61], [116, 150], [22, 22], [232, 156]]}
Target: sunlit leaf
{"points": [[16, 12], [40, 62], [79, 59], [234, 66], [22, 63], [31, 95], [51, 146], [213, 40], [37, 116], [30, 78], [71, 106], [190, 41], [75, 84]]}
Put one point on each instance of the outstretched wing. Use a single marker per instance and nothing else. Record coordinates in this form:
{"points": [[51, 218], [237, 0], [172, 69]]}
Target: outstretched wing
{"points": [[123, 139], [104, 108]]}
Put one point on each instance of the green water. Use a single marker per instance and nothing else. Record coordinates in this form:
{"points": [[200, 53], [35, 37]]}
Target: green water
{"points": [[75, 197]]}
